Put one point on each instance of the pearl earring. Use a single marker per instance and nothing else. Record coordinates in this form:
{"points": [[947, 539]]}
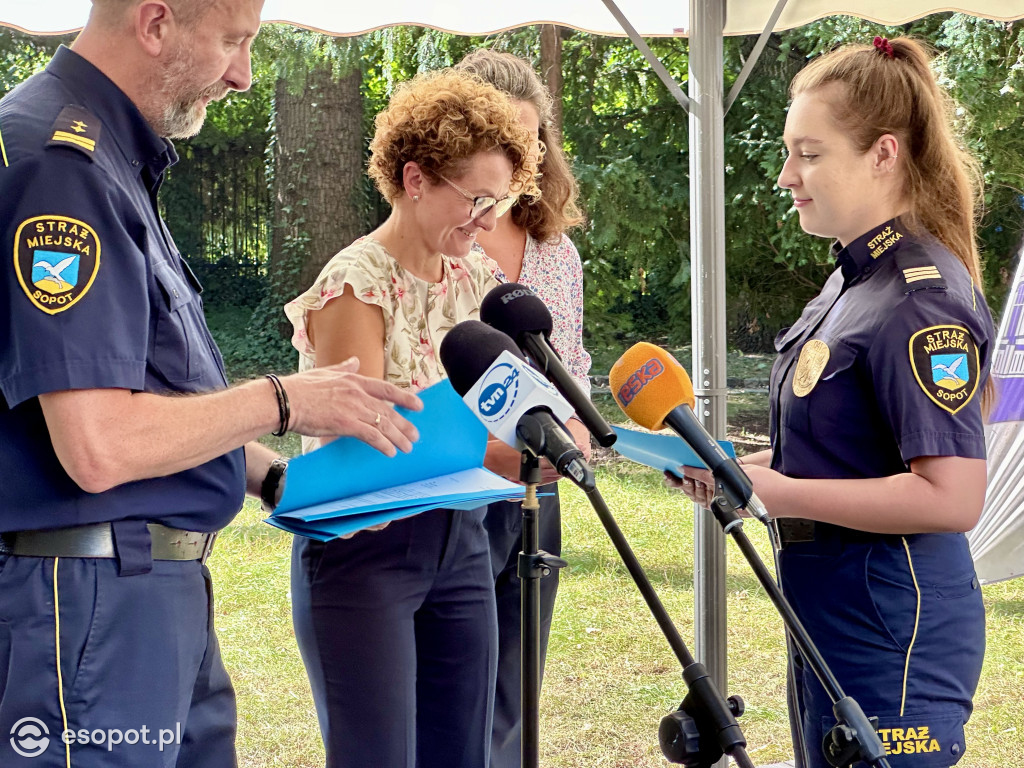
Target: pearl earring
{"points": [[415, 198]]}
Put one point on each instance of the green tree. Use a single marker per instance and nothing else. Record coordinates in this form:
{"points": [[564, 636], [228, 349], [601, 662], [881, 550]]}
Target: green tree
{"points": [[21, 55]]}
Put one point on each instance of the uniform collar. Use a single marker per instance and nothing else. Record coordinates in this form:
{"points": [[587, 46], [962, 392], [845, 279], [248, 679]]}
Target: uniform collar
{"points": [[863, 255], [139, 143]]}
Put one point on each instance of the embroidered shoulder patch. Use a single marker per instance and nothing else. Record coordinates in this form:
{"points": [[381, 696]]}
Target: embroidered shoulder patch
{"points": [[56, 259], [921, 273], [945, 362], [918, 270], [76, 127]]}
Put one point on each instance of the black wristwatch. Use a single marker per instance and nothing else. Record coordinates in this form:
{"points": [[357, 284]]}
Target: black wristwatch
{"points": [[268, 491]]}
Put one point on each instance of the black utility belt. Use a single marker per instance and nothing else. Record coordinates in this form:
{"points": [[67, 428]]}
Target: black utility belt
{"points": [[97, 540], [795, 530]]}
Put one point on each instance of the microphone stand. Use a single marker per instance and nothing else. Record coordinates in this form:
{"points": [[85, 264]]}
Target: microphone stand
{"points": [[705, 726], [854, 737], [709, 723], [534, 564]]}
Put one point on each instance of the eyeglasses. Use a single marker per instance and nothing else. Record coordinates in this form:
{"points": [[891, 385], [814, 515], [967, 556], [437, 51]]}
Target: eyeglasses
{"points": [[482, 205]]}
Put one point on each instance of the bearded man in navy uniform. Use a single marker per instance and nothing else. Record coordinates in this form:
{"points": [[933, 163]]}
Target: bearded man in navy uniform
{"points": [[124, 450]]}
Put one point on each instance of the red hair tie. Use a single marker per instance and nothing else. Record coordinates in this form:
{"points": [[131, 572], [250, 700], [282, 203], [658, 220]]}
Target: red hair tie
{"points": [[884, 47]]}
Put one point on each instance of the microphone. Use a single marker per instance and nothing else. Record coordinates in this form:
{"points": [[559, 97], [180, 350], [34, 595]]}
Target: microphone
{"points": [[654, 390], [518, 312], [516, 404]]}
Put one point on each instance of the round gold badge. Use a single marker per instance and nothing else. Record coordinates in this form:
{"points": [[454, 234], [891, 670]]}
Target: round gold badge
{"points": [[813, 359]]}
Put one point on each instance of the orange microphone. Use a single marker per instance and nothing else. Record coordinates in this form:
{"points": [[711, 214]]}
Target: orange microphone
{"points": [[654, 390], [647, 383]]}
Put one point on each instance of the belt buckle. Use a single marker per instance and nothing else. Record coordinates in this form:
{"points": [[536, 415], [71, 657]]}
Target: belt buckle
{"points": [[208, 547]]}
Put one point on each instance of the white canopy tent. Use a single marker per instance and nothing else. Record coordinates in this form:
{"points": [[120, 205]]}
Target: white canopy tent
{"points": [[704, 22], [653, 18]]}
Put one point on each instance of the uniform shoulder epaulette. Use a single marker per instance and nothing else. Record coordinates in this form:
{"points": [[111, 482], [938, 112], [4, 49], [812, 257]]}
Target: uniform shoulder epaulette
{"points": [[76, 127], [918, 270]]}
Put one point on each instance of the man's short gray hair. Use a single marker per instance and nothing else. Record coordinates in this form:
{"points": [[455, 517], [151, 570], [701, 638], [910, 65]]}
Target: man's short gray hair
{"points": [[187, 12]]}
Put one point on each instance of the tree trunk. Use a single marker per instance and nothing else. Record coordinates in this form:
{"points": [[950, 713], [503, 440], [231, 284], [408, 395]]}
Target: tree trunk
{"points": [[318, 181], [551, 67]]}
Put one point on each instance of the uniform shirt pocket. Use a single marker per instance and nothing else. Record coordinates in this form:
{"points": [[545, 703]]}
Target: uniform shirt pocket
{"points": [[825, 398], [175, 346]]}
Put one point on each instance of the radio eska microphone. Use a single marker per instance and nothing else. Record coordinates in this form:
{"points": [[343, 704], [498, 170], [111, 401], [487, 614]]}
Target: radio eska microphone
{"points": [[654, 390], [516, 404], [518, 312]]}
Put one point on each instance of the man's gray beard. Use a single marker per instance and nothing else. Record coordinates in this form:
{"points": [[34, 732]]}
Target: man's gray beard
{"points": [[183, 116], [182, 121]]}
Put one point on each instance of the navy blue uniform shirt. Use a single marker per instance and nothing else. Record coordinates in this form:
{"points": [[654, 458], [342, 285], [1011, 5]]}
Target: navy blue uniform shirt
{"points": [[94, 294], [886, 364]]}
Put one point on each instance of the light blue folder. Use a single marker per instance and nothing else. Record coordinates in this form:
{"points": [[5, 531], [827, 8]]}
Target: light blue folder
{"points": [[663, 452], [346, 486]]}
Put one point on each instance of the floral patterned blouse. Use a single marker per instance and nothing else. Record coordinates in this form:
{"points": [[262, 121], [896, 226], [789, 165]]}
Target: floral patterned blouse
{"points": [[554, 271], [417, 314]]}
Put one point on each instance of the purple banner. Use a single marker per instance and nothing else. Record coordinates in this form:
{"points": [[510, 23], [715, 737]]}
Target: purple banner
{"points": [[1008, 362]]}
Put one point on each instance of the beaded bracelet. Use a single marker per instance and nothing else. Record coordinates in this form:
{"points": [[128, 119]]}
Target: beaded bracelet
{"points": [[284, 409]]}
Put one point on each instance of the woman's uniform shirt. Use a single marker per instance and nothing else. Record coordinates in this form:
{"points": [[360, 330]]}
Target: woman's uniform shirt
{"points": [[886, 364]]}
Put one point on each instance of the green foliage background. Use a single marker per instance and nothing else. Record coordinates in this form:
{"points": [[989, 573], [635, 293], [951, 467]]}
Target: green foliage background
{"points": [[628, 140]]}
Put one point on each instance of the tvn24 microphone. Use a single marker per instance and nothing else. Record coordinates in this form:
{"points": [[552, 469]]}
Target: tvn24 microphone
{"points": [[518, 312], [654, 390], [516, 404]]}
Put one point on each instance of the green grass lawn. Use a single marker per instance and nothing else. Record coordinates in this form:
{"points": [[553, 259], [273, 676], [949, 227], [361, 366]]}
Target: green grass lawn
{"points": [[610, 674]]}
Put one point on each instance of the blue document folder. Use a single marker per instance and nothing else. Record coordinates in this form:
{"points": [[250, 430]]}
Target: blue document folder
{"points": [[346, 486], [662, 452]]}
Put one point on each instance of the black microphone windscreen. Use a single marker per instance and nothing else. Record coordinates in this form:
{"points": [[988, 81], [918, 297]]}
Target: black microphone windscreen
{"points": [[515, 309], [468, 349]]}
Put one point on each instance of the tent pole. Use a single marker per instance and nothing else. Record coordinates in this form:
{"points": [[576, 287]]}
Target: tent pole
{"points": [[707, 270], [652, 58], [755, 54]]}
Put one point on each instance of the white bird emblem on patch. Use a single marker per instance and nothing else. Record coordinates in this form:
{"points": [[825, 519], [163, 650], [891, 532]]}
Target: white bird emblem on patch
{"points": [[55, 271], [950, 370]]}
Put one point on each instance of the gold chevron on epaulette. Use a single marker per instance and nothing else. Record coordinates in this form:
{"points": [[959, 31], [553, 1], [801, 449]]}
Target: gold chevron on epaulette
{"points": [[930, 272], [76, 127]]}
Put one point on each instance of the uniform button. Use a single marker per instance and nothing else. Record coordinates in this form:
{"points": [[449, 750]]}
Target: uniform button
{"points": [[955, 749], [176, 293], [135, 163], [974, 583], [866, 270]]}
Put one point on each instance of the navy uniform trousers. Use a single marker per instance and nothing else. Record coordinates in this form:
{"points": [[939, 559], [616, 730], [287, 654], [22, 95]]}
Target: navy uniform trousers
{"points": [[901, 624], [398, 634], [140, 680], [504, 524]]}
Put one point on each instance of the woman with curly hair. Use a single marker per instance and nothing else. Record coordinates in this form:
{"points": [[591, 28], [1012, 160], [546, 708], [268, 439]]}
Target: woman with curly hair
{"points": [[531, 248], [397, 627]]}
